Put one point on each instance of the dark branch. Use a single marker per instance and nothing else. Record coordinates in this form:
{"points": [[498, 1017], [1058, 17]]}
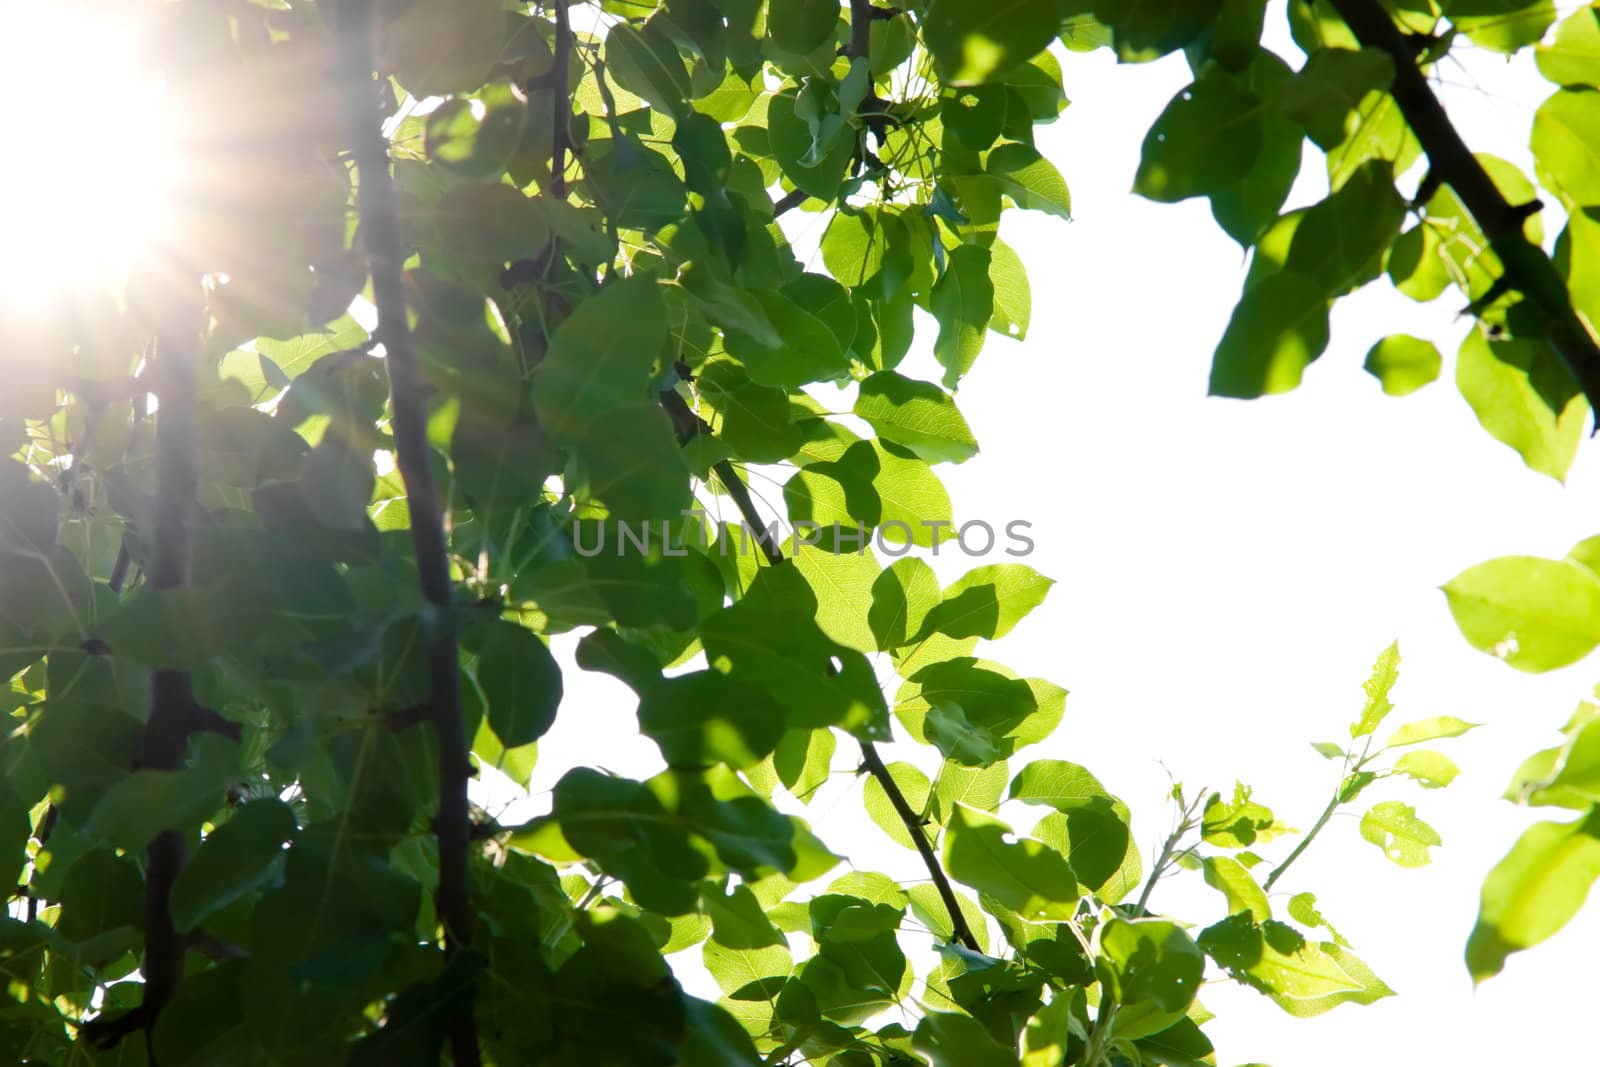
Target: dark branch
{"points": [[166, 731], [560, 107], [790, 200], [961, 932], [1526, 266], [408, 407], [688, 425]]}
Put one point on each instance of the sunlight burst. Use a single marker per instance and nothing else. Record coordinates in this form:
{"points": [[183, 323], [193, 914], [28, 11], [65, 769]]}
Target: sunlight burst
{"points": [[86, 181]]}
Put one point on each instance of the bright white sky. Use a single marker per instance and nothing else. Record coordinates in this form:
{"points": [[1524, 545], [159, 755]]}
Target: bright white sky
{"points": [[1227, 571]]}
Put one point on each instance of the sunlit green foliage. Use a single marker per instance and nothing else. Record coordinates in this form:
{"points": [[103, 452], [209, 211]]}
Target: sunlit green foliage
{"points": [[611, 324]]}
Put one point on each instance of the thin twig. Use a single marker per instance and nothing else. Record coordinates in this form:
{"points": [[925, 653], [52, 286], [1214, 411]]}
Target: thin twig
{"points": [[1527, 268], [408, 406], [689, 425]]}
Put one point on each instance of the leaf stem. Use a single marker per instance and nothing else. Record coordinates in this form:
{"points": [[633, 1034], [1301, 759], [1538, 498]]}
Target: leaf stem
{"points": [[1337, 799], [1526, 266], [408, 406], [1169, 851], [1305, 842]]}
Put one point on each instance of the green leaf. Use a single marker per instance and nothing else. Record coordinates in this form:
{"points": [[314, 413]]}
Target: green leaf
{"points": [[707, 717], [1535, 614], [796, 148], [235, 858], [1303, 910], [438, 47], [1429, 730], [1147, 30], [1379, 132], [916, 415], [963, 303], [1150, 960], [872, 485], [1013, 299], [1095, 837], [976, 787], [868, 250], [1303, 978], [1385, 672], [147, 802], [1029, 179], [1340, 241], [101, 892], [902, 596], [745, 954], [1403, 363], [1572, 57], [1230, 878], [1395, 828], [646, 64], [804, 24], [520, 680], [782, 651], [1534, 891], [592, 390], [1249, 207], [476, 141], [1238, 823], [1061, 785], [28, 513], [928, 905], [1330, 86], [600, 358], [1525, 398], [951, 1040], [1434, 770], [1207, 139], [490, 221], [1501, 25], [973, 41], [987, 601], [1568, 776], [1566, 145], [1328, 750], [983, 713], [1024, 875], [843, 585], [1279, 326], [807, 350]]}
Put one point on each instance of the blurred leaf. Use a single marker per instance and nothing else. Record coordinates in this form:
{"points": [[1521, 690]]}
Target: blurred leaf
{"points": [[1533, 892], [1535, 614], [1403, 363]]}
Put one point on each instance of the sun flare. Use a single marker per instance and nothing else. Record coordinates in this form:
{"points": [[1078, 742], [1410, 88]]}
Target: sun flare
{"points": [[86, 173]]}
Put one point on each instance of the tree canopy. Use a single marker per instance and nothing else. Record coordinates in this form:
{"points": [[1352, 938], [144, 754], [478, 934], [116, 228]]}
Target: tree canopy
{"points": [[470, 325]]}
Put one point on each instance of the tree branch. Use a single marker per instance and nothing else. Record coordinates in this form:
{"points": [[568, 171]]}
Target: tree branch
{"points": [[790, 200], [688, 426], [960, 931], [560, 107], [408, 408], [166, 731], [1451, 161]]}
